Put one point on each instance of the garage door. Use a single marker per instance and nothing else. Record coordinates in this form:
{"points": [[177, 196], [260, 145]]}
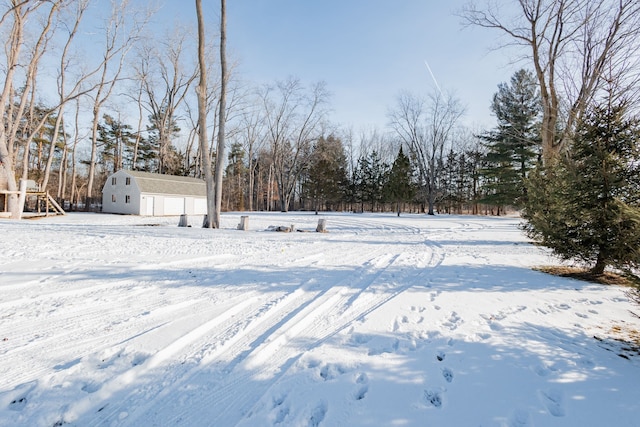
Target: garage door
{"points": [[173, 205]]}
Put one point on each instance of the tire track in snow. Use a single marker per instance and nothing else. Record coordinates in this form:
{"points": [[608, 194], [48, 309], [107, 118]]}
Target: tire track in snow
{"points": [[82, 332], [233, 350], [100, 400], [328, 314]]}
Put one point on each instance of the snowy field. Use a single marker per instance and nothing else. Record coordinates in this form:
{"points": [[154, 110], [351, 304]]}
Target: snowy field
{"points": [[112, 320]]}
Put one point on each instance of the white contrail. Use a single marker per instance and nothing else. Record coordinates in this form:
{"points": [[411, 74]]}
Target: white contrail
{"points": [[433, 77]]}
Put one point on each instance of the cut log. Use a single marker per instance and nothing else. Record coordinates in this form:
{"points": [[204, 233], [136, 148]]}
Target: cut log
{"points": [[184, 222], [322, 226]]}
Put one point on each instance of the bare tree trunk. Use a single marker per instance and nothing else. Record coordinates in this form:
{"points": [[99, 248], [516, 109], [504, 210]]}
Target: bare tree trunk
{"points": [[138, 130], [222, 113], [202, 119]]}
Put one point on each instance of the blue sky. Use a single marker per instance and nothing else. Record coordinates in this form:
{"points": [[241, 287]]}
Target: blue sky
{"points": [[367, 51]]}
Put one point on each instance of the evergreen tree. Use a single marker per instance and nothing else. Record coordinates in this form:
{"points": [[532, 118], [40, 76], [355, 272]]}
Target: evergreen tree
{"points": [[586, 206], [512, 147], [326, 182], [117, 141], [400, 187], [234, 179], [370, 179]]}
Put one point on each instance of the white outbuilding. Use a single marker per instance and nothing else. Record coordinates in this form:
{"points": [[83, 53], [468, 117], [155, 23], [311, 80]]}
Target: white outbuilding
{"points": [[152, 194]]}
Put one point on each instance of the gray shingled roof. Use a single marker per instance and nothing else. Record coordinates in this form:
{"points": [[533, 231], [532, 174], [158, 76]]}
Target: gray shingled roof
{"points": [[169, 184]]}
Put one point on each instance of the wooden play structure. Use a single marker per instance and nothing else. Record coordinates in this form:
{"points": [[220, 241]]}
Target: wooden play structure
{"points": [[38, 203]]}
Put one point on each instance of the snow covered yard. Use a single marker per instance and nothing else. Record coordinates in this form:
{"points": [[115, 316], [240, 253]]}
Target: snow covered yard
{"points": [[383, 321]]}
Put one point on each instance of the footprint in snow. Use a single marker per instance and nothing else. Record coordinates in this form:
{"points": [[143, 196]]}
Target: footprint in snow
{"points": [[552, 399], [331, 371], [18, 403], [281, 410], [433, 398], [361, 392], [19, 400], [400, 321], [520, 418], [452, 321], [318, 414], [91, 387], [362, 380], [447, 374], [440, 356]]}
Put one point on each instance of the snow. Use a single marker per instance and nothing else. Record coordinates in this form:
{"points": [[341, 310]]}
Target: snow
{"points": [[112, 320]]}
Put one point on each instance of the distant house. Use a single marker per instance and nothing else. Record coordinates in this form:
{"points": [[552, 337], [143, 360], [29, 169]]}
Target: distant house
{"points": [[152, 194]]}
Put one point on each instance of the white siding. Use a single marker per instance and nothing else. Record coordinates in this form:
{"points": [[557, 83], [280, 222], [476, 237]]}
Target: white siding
{"points": [[200, 207], [173, 205], [120, 197]]}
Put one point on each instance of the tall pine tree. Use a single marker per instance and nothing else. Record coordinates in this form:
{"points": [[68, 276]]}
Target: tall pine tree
{"points": [[513, 146], [400, 187]]}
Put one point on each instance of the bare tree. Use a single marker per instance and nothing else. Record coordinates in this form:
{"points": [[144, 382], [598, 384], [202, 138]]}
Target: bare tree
{"points": [[293, 120], [201, 91], [63, 94], [252, 138], [165, 84], [426, 127], [570, 44], [222, 113], [121, 32], [18, 15]]}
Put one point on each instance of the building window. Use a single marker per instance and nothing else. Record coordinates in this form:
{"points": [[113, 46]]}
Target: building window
{"points": [[127, 181], [113, 198], [127, 199], [113, 180]]}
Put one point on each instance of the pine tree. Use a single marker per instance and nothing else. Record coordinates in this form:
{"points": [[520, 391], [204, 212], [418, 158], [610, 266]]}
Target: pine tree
{"points": [[117, 141], [234, 179], [370, 179], [586, 206], [326, 181], [513, 145], [400, 187]]}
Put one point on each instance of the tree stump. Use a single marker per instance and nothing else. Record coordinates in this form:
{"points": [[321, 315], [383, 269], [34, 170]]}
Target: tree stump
{"points": [[322, 226], [244, 223], [184, 222]]}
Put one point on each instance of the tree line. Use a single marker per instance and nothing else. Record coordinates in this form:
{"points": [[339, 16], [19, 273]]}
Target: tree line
{"points": [[72, 118]]}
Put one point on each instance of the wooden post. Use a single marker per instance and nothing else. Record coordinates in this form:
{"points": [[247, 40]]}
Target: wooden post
{"points": [[244, 223], [22, 196], [322, 226], [184, 222]]}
